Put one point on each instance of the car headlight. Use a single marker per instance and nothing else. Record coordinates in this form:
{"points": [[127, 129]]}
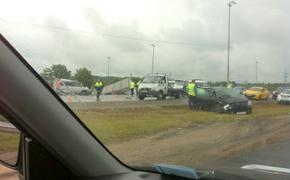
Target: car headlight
{"points": [[227, 107], [249, 103]]}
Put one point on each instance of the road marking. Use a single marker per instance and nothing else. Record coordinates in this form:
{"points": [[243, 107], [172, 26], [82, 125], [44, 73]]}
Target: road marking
{"points": [[268, 169]]}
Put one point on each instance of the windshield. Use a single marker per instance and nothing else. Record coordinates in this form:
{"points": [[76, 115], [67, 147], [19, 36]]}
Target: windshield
{"points": [[227, 92], [255, 89], [280, 89], [73, 83], [287, 91], [180, 83], [151, 79], [116, 48]]}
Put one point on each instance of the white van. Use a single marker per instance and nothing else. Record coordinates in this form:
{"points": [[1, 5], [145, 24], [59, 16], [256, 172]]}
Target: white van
{"points": [[66, 86]]}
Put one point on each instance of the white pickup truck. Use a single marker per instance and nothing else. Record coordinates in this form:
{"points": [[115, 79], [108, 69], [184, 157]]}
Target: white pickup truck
{"points": [[153, 86]]}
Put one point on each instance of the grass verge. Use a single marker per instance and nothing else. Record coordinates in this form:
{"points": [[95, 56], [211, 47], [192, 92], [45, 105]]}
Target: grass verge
{"points": [[9, 141], [123, 124]]}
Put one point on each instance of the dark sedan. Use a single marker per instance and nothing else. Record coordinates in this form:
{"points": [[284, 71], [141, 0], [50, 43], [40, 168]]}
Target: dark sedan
{"points": [[222, 99]]}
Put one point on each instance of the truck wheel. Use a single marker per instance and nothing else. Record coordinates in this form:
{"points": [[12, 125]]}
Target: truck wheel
{"points": [[141, 97], [177, 96], [83, 93], [164, 97], [219, 108], [160, 95]]}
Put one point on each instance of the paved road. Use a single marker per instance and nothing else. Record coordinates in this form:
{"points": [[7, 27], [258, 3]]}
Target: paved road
{"points": [[103, 98], [277, 154], [274, 155]]}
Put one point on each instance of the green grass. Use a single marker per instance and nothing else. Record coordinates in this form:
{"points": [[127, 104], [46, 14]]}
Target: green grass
{"points": [[118, 125], [9, 141]]}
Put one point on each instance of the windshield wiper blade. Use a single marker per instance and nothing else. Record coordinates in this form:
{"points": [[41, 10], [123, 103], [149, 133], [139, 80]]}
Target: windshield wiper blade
{"points": [[185, 172]]}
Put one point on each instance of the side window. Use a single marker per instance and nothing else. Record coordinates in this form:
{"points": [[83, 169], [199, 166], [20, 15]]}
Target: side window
{"points": [[202, 92], [9, 146], [163, 81]]}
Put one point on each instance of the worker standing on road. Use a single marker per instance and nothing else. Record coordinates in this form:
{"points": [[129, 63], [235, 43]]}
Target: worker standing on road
{"points": [[231, 85], [132, 87], [191, 91], [99, 87]]}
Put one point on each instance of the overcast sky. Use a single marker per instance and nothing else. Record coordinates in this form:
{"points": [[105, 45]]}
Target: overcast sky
{"points": [[190, 36]]}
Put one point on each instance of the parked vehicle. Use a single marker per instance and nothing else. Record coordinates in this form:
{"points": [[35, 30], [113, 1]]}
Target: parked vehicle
{"points": [[278, 91], [66, 86], [284, 97], [153, 86], [221, 99], [240, 89], [257, 93], [176, 88]]}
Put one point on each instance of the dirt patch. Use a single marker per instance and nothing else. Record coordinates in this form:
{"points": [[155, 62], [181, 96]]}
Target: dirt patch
{"points": [[202, 144], [8, 174]]}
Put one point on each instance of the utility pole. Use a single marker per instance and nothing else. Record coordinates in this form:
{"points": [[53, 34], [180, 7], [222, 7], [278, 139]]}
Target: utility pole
{"points": [[230, 4], [152, 68], [285, 76], [109, 58], [257, 72]]}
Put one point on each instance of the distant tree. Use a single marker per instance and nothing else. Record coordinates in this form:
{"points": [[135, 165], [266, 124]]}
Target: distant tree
{"points": [[84, 76], [60, 71], [47, 75]]}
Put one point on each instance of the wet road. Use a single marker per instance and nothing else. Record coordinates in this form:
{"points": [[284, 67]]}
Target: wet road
{"points": [[273, 156]]}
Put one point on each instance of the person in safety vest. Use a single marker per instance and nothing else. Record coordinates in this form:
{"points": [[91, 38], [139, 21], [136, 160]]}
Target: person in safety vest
{"points": [[231, 85], [99, 87], [191, 91], [132, 87]]}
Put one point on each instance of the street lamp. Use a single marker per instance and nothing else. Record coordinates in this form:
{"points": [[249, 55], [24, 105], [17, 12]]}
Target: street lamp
{"points": [[230, 4], [152, 68], [109, 66], [257, 72]]}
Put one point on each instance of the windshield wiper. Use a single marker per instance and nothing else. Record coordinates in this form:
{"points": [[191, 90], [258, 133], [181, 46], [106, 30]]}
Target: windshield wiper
{"points": [[182, 171]]}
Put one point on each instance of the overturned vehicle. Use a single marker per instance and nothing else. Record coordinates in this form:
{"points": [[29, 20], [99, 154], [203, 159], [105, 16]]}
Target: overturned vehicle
{"points": [[223, 100]]}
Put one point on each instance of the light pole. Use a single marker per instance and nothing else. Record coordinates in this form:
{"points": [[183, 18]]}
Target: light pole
{"points": [[230, 4], [257, 72], [109, 66], [152, 68]]}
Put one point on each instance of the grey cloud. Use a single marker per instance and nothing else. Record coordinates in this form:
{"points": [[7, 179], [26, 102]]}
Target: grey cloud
{"points": [[259, 32]]}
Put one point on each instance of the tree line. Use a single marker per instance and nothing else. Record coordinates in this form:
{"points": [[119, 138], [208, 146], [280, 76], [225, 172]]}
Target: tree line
{"points": [[83, 75]]}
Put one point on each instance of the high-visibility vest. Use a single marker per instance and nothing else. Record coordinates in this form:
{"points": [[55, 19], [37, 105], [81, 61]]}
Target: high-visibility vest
{"points": [[132, 85], [230, 85], [191, 89], [99, 84]]}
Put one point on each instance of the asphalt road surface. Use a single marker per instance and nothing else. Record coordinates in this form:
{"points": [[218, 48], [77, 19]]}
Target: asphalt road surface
{"points": [[275, 155], [104, 98]]}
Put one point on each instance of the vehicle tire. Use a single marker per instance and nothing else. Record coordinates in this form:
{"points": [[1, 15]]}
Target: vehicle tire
{"points": [[83, 93], [219, 108], [249, 111], [141, 97], [177, 96], [160, 95]]}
